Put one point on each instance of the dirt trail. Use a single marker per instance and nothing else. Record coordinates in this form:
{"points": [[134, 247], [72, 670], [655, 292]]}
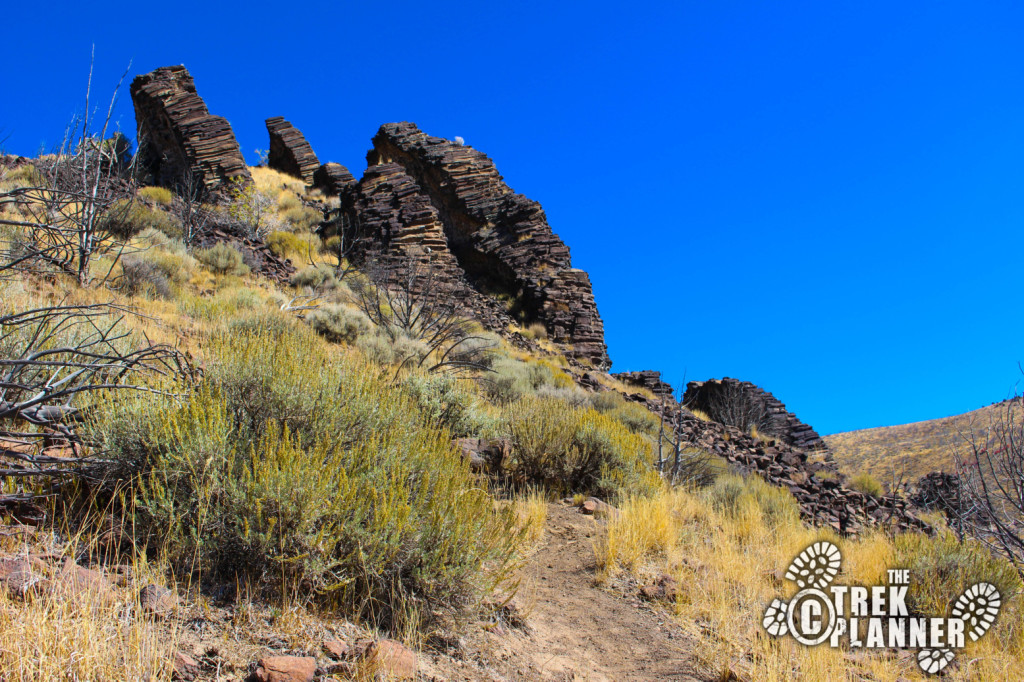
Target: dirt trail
{"points": [[575, 630]]}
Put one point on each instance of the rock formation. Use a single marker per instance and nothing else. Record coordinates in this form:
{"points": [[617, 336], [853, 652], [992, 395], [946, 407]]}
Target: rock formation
{"points": [[500, 240], [742, 404], [649, 379], [179, 141], [289, 151], [816, 483], [333, 179]]}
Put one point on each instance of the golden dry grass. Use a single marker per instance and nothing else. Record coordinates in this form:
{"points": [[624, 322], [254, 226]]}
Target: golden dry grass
{"points": [[728, 563], [916, 449]]}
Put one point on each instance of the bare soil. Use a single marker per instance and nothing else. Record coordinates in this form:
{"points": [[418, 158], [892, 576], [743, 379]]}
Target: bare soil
{"points": [[573, 629]]}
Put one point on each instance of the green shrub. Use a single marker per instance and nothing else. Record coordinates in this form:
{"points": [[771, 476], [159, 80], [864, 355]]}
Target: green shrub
{"points": [[866, 483], [284, 243], [446, 401], [315, 277], [303, 218], [159, 195], [636, 417], [569, 450], [223, 259], [126, 219], [300, 469], [339, 324], [736, 496], [140, 276], [941, 568], [511, 379]]}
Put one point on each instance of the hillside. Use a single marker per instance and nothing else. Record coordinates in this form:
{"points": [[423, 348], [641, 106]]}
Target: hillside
{"points": [[916, 449], [280, 423]]}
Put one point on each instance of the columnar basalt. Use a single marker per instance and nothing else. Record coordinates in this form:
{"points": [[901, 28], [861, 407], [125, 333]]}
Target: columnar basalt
{"points": [[180, 142], [289, 152], [501, 240], [732, 401]]}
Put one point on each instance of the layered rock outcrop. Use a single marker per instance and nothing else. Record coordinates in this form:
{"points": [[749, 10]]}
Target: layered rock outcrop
{"points": [[179, 140], [500, 240], [816, 484], [649, 379], [742, 404], [289, 152], [333, 179]]}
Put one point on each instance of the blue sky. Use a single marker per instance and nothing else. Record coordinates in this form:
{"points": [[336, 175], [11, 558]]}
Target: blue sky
{"points": [[824, 198]]}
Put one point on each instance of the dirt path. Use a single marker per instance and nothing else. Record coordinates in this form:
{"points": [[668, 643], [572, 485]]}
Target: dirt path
{"points": [[576, 631]]}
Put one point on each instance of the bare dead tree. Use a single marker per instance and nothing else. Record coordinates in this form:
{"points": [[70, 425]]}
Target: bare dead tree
{"points": [[189, 208], [728, 403], [679, 460], [990, 467], [55, 363], [406, 299], [341, 237], [76, 214]]}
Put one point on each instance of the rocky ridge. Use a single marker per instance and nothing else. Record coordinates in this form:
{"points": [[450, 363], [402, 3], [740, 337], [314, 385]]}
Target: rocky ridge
{"points": [[180, 142]]}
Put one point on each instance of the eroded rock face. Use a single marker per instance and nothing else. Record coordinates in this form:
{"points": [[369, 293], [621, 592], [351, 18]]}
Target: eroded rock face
{"points": [[290, 153], [501, 240], [731, 401], [333, 179], [179, 139]]}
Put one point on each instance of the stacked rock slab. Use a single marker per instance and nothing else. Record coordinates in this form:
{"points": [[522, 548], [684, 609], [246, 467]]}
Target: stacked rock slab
{"points": [[501, 240], [289, 151], [402, 241], [708, 396], [649, 379], [179, 140], [333, 179]]}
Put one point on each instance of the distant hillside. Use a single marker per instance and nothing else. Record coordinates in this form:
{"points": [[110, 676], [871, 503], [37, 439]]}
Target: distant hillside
{"points": [[920, 447]]}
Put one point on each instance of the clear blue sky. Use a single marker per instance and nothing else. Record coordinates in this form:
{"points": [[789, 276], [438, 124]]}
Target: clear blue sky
{"points": [[824, 198]]}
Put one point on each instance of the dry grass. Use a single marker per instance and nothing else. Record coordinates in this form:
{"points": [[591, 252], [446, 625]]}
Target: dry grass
{"points": [[728, 558], [532, 511], [917, 449]]}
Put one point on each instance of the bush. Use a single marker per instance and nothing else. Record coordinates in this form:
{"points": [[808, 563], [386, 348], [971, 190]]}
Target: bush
{"points": [[303, 219], [297, 468], [140, 276], [339, 324], [315, 277], [511, 379], [537, 330], [942, 568], [223, 259], [867, 484], [738, 496], [159, 195], [127, 219], [636, 417], [576, 450], [284, 243], [445, 401]]}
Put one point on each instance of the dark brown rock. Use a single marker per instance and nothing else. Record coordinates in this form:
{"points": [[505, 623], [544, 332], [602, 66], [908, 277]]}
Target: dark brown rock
{"points": [[500, 240], [157, 601], [730, 400], [483, 454], [178, 137], [289, 151], [333, 179], [337, 648], [285, 669], [649, 379]]}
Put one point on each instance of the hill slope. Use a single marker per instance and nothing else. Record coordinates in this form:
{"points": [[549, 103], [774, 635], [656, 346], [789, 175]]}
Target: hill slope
{"points": [[917, 448]]}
